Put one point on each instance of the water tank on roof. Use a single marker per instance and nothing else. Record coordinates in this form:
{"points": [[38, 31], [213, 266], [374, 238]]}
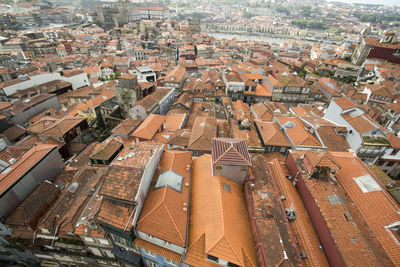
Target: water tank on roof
{"points": [[288, 124], [22, 77]]}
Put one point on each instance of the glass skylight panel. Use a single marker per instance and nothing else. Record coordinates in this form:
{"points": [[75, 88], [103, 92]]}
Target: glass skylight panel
{"points": [[171, 179], [367, 183]]}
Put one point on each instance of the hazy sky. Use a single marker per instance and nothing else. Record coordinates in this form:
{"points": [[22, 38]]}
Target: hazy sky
{"points": [[382, 2]]}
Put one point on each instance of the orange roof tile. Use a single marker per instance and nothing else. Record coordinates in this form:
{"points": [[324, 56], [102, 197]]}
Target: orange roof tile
{"points": [[271, 134], [149, 127], [360, 123], [262, 112], [116, 214], [345, 103], [203, 131], [226, 232], [376, 207], [23, 166], [303, 230], [230, 151], [162, 215], [298, 133], [174, 121]]}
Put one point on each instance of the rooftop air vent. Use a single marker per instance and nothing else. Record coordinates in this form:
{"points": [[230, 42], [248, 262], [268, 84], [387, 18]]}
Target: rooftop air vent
{"points": [[290, 214]]}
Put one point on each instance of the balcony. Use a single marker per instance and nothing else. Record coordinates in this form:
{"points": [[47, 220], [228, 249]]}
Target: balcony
{"points": [[375, 140]]}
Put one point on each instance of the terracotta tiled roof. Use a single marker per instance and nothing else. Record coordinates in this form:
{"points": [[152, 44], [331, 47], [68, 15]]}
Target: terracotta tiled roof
{"points": [[298, 133], [271, 134], [116, 214], [332, 140], [155, 97], [163, 213], [23, 165], [226, 232], [63, 215], [394, 140], [106, 149], [184, 99], [126, 127], [149, 127], [242, 110], [250, 136], [118, 179], [180, 137], [203, 131], [345, 103], [4, 105], [303, 230], [376, 208], [34, 206], [360, 123], [124, 175], [262, 112], [230, 151], [174, 121], [14, 132], [175, 75]]}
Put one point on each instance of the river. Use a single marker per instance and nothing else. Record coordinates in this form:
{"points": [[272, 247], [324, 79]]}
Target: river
{"points": [[229, 36]]}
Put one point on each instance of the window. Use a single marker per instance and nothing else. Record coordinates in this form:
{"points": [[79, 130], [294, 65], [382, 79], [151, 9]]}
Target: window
{"points": [[103, 241], [396, 52], [88, 239], [226, 187], [151, 264], [170, 262], [218, 167], [390, 164], [212, 258], [95, 251], [109, 253], [148, 253], [394, 152]]}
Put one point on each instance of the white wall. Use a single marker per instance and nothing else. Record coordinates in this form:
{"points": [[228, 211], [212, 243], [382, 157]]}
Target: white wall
{"points": [[77, 81], [146, 181], [161, 243], [333, 113], [22, 117]]}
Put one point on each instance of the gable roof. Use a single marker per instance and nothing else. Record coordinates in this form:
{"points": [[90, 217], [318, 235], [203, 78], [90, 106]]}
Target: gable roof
{"points": [[262, 112], [376, 207], [230, 151], [163, 214], [36, 204], [106, 149], [149, 127], [226, 232], [126, 127], [203, 131], [345, 103], [23, 166], [271, 134], [298, 133]]}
